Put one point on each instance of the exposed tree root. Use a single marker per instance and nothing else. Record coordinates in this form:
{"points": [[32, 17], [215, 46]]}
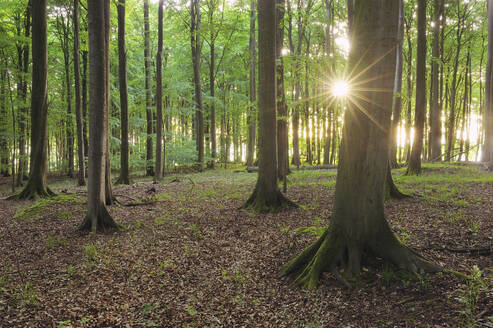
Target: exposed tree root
{"points": [[32, 192], [341, 256], [391, 190], [100, 221], [262, 202]]}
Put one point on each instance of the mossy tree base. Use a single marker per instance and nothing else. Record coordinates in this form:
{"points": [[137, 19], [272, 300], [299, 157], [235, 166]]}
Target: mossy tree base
{"points": [[33, 191], [98, 220], [341, 255], [263, 202]]}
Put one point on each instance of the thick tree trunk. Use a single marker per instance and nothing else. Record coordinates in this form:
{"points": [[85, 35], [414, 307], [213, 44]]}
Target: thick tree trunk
{"points": [[122, 74], [252, 113], [159, 95], [358, 226], [420, 112], [81, 181], [282, 108], [147, 65], [196, 51], [266, 195], [36, 186], [97, 217]]}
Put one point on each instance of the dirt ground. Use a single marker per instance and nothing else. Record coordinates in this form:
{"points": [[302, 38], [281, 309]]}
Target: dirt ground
{"points": [[190, 258]]}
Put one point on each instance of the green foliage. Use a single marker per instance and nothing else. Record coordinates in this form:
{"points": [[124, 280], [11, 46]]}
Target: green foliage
{"points": [[40, 206], [53, 241], [91, 252], [469, 296]]}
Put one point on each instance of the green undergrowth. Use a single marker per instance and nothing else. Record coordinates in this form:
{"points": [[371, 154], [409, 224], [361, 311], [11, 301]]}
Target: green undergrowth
{"points": [[35, 210]]}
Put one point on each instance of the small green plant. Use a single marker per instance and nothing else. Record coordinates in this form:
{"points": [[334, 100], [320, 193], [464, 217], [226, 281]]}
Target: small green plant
{"points": [[65, 324], [148, 307], [27, 295], [53, 241], [472, 226], [159, 220], [191, 310], [138, 224], [188, 251], [91, 252], [70, 271], [469, 296], [64, 215]]}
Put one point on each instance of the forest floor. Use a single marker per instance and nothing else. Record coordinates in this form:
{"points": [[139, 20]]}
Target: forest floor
{"points": [[190, 258]]}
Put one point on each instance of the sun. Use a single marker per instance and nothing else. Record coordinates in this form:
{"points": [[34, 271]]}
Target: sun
{"points": [[340, 89]]}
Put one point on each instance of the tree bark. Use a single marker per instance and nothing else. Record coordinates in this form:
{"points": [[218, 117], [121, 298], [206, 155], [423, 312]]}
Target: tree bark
{"points": [[36, 185], [147, 65], [81, 181], [196, 51], [358, 226], [420, 111], [122, 74], [97, 217], [266, 196], [159, 95], [252, 113], [488, 108]]}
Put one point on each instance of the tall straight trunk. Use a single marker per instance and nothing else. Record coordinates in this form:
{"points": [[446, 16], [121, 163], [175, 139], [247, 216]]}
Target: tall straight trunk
{"points": [[308, 129], [252, 113], [282, 108], [266, 195], [328, 111], [122, 79], [84, 101], [212, 84], [409, 71], [97, 217], [420, 112], [110, 198], [4, 146], [488, 110], [36, 185], [147, 66], [196, 51], [435, 110], [397, 100], [81, 181], [159, 95]]}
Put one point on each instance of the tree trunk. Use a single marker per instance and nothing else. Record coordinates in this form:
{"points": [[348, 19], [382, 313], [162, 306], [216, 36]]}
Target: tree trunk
{"points": [[282, 108], [147, 65], [420, 112], [488, 110], [122, 74], [266, 195], [196, 51], [78, 104], [97, 217], [397, 101], [252, 113], [159, 95], [84, 102], [36, 185], [435, 110], [358, 226]]}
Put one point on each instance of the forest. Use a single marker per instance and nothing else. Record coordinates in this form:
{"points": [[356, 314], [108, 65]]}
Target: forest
{"points": [[246, 163]]}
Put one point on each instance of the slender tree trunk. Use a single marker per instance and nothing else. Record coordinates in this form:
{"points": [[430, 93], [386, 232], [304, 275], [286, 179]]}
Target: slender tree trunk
{"points": [[97, 217], [266, 195], [308, 129], [147, 65], [420, 112], [122, 74], [110, 198], [159, 95], [488, 110], [4, 146], [78, 104], [36, 185], [397, 100], [84, 101], [435, 110], [196, 52], [252, 113], [282, 108]]}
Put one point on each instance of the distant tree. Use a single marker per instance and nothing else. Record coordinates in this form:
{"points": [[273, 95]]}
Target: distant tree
{"points": [[414, 166], [358, 225], [36, 185], [266, 195], [252, 112], [147, 66], [159, 96], [196, 46], [122, 79], [488, 111], [97, 217], [81, 181]]}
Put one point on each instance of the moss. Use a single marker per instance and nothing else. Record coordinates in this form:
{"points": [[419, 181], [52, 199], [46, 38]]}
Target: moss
{"points": [[34, 211]]}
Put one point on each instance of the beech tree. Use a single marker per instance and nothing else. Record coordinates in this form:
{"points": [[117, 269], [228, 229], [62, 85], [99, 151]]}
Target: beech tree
{"points": [[196, 51], [147, 66], [81, 181], [358, 226], [36, 185], [266, 196], [251, 116], [158, 169], [488, 111], [97, 217]]}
